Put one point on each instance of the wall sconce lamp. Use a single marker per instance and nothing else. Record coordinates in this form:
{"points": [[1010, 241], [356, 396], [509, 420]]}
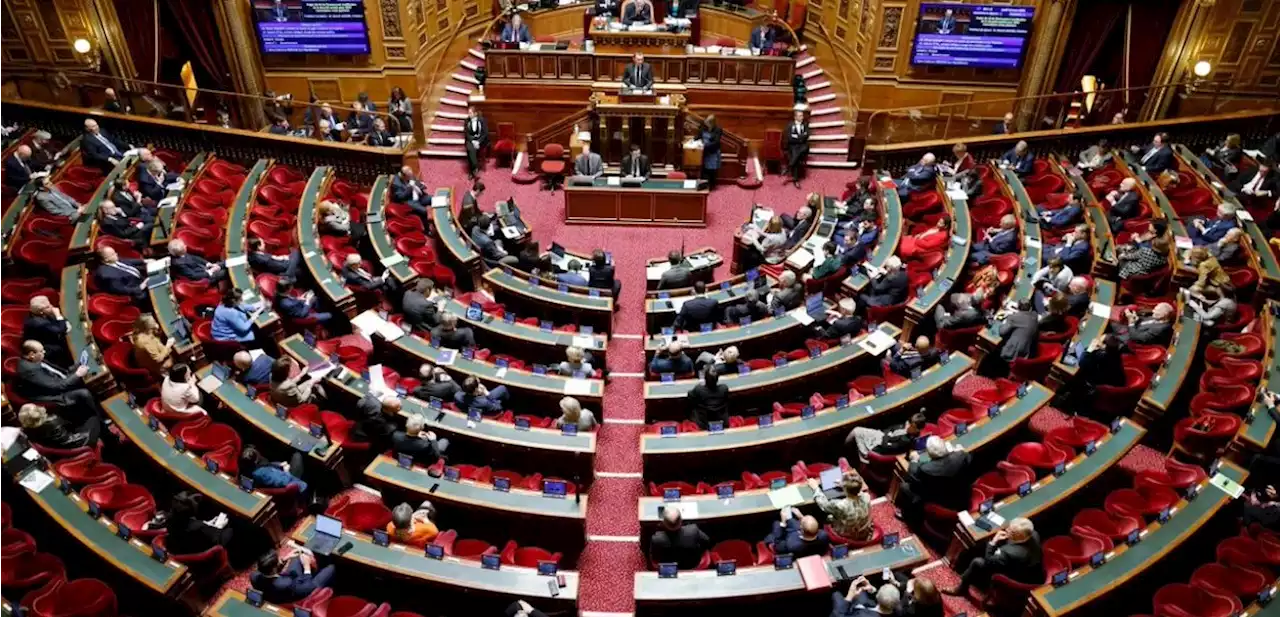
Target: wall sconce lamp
{"points": [[1202, 69], [86, 50]]}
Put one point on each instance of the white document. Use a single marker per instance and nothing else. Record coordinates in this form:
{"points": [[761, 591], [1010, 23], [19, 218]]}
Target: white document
{"points": [[959, 241], [957, 195], [690, 184], [801, 315], [613, 181], [367, 322], [584, 135], [1182, 242], [238, 260], [254, 353], [966, 519], [210, 383], [439, 201], [377, 384], [995, 519], [584, 342], [36, 481], [39, 174], [157, 265], [698, 261], [174, 186], [1032, 243], [800, 259], [1256, 154], [577, 387], [131, 152], [510, 233], [688, 509], [1101, 310], [678, 303], [1227, 485], [1244, 215], [168, 202], [393, 260], [320, 372], [31, 454], [654, 273], [788, 495], [877, 342]]}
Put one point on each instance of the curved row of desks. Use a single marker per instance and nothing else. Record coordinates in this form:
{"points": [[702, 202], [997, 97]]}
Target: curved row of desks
{"points": [[72, 292], [165, 216], [1179, 358], [329, 282], [1103, 244], [1092, 327], [15, 217], [1128, 164], [236, 251], [85, 231], [660, 311], [1260, 427], [890, 234], [1031, 253], [163, 301], [953, 264], [376, 224]]}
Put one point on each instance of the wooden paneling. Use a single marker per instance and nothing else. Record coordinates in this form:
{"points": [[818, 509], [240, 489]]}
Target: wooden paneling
{"points": [[1240, 42], [42, 31]]}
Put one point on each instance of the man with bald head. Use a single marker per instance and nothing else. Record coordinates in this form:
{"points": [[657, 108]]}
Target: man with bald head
{"points": [[1078, 296], [41, 381], [375, 419], [45, 324], [1155, 328], [100, 149], [123, 277], [191, 267], [671, 359], [252, 371], [920, 177], [1126, 203], [800, 536], [17, 168], [676, 542], [996, 241], [408, 190]]}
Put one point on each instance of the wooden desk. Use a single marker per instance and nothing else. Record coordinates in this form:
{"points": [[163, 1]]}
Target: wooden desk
{"points": [[1128, 562], [71, 300], [663, 203], [660, 42], [240, 274], [1179, 358], [891, 227], [380, 238], [704, 262], [546, 347], [162, 299], [1104, 243], [313, 254], [1091, 329], [165, 216], [592, 308], [86, 229]]}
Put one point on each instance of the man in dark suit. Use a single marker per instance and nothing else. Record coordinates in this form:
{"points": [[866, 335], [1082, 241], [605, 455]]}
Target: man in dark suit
{"points": [[635, 164], [888, 289], [1153, 329], [302, 306], [476, 134], [515, 31], [1006, 125], [422, 445], [279, 126], [451, 335], [698, 310], [790, 293], [677, 543], [751, 307], [46, 325], [184, 265], [600, 274], [1019, 332], [679, 275], [17, 168], [638, 75], [100, 149], [153, 181], [947, 24], [493, 253], [408, 190], [130, 201], [939, 480], [920, 177], [841, 322], [682, 8], [797, 146], [588, 163], [637, 12], [356, 277], [1014, 552], [797, 535], [798, 226], [1019, 159], [379, 136], [280, 265], [284, 582], [762, 37], [996, 241], [42, 382], [416, 305], [1126, 203], [962, 315], [124, 277], [1158, 156], [1260, 183]]}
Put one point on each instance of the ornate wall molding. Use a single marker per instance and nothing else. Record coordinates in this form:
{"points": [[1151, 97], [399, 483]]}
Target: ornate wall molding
{"points": [[390, 19], [889, 27]]}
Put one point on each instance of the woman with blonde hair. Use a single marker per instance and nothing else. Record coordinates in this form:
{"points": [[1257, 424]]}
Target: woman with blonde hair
{"points": [[772, 241], [149, 350], [571, 412], [574, 362], [849, 516]]}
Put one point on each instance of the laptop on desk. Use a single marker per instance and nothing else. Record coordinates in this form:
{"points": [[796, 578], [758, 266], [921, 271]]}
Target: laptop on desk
{"points": [[327, 534], [829, 479]]}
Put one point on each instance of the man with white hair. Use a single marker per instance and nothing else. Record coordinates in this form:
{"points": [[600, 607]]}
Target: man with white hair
{"points": [[355, 276], [418, 443], [920, 177], [724, 362], [889, 288], [937, 477], [100, 149], [450, 335], [1073, 250], [52, 200], [789, 294], [193, 267], [1126, 203], [45, 324], [1019, 159], [17, 168], [996, 241], [962, 314], [153, 180], [676, 542], [841, 322], [1150, 329], [864, 600], [798, 226], [1204, 232], [1013, 551]]}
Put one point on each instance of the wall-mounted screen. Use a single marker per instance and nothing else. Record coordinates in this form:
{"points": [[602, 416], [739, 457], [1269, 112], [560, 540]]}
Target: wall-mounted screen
{"points": [[311, 26], [972, 35]]}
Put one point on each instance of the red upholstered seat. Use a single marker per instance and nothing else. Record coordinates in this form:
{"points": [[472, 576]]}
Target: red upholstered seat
{"points": [[1076, 548], [85, 597], [734, 550], [87, 469], [1241, 581], [1176, 475], [1115, 527], [1038, 455], [365, 516], [1005, 480], [1146, 500], [1184, 600], [1118, 400], [1036, 368], [112, 496], [23, 571]]}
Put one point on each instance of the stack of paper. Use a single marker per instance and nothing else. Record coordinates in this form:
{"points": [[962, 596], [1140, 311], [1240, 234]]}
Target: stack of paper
{"points": [[801, 315], [877, 342]]}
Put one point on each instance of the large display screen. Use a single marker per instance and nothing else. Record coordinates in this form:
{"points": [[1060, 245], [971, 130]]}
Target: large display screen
{"points": [[979, 36], [312, 26]]}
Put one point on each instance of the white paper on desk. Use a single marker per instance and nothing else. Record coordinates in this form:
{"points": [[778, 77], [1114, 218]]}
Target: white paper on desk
{"points": [[800, 259], [254, 353], [688, 509], [156, 265], [873, 271], [341, 126], [788, 495], [39, 174], [393, 260], [966, 519], [377, 385], [1101, 310], [308, 254], [742, 52], [238, 260], [1227, 485], [957, 195], [510, 233], [877, 342], [654, 273], [959, 240], [1032, 243], [174, 186], [168, 202], [690, 184], [995, 519], [30, 454], [367, 322], [577, 387], [584, 342], [523, 46], [1182, 242], [131, 152], [36, 481], [698, 261], [210, 383], [678, 303], [801, 315], [1244, 215], [438, 201], [613, 181]]}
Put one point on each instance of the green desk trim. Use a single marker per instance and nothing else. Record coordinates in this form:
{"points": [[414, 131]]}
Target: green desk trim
{"points": [[185, 466], [447, 231], [1260, 431], [453, 421], [165, 216], [231, 603], [72, 304], [378, 235], [99, 535], [14, 215], [732, 335], [524, 332], [891, 227], [1091, 327], [756, 581], [1134, 167], [309, 239], [602, 304], [451, 571], [82, 235], [1049, 491], [258, 414], [649, 184], [1032, 257], [465, 492], [241, 276], [1100, 226], [955, 260], [1012, 415], [1130, 561], [831, 359], [656, 307], [1186, 338], [823, 421]]}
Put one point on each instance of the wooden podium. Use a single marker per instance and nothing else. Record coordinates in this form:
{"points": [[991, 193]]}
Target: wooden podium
{"points": [[654, 121]]}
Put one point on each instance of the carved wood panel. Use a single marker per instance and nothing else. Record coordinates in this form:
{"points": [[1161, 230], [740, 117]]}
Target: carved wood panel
{"points": [[890, 24]]}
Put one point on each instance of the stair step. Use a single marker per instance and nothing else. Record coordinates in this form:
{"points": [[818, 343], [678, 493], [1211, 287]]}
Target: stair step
{"points": [[450, 115], [837, 164], [821, 98], [811, 74], [447, 128], [804, 48], [830, 137], [818, 86], [466, 79], [443, 153], [476, 52], [469, 65], [827, 125], [806, 62], [458, 90], [844, 150], [446, 141], [454, 102], [824, 111]]}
